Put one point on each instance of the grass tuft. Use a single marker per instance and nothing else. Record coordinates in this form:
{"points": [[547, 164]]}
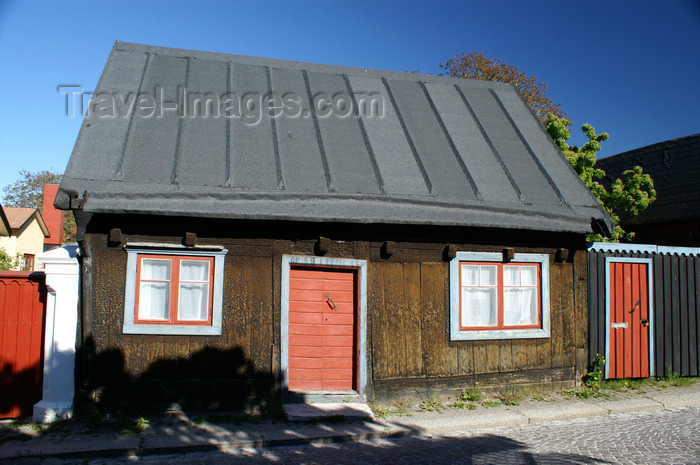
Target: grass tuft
{"points": [[510, 397], [431, 405], [399, 408], [461, 404], [674, 380], [472, 395]]}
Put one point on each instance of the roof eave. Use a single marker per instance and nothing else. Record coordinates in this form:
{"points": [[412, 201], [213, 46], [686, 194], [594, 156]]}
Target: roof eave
{"points": [[5, 229]]}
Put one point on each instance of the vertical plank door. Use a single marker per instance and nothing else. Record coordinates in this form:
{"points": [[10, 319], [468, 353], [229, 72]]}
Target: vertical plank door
{"points": [[629, 320], [322, 329]]}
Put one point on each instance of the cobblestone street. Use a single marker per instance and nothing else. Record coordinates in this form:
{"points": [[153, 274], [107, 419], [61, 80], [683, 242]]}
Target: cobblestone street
{"points": [[659, 437]]}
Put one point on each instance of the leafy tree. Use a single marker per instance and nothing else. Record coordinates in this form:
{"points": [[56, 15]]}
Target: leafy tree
{"points": [[475, 65], [28, 192], [6, 262], [629, 195]]}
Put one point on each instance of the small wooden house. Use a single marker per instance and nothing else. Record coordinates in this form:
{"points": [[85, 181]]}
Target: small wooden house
{"points": [[250, 226]]}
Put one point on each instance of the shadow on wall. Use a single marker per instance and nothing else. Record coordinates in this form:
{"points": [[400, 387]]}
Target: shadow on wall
{"points": [[19, 390], [211, 378]]}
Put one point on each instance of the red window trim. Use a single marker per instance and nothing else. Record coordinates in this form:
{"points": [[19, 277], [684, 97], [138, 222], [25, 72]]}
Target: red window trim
{"points": [[29, 261], [499, 285], [174, 290]]}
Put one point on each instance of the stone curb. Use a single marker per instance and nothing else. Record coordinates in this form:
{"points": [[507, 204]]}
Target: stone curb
{"points": [[136, 451], [380, 429]]}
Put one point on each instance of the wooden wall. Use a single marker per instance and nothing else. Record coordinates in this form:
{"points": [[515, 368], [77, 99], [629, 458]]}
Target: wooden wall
{"points": [[408, 315], [409, 321], [676, 292]]}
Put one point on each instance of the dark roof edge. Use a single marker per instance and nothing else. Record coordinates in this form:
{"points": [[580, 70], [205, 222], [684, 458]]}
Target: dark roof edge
{"points": [[300, 65], [617, 247], [4, 222], [317, 210], [653, 147]]}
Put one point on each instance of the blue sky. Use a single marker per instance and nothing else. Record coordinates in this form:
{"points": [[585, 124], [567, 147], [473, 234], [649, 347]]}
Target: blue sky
{"points": [[631, 68]]}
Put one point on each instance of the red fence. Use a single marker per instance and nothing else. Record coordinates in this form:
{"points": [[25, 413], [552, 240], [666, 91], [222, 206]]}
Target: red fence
{"points": [[22, 314]]}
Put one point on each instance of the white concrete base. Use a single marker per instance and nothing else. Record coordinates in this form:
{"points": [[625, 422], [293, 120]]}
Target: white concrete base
{"points": [[348, 410], [61, 268], [46, 412]]}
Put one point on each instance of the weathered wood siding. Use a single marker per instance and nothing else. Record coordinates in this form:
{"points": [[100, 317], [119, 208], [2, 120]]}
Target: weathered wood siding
{"points": [[676, 294], [408, 315], [409, 320]]}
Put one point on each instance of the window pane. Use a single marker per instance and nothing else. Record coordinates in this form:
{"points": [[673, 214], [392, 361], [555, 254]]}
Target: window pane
{"points": [[155, 269], [470, 275], [520, 306], [529, 275], [479, 307], [511, 275], [488, 275], [154, 300], [194, 270], [194, 300]]}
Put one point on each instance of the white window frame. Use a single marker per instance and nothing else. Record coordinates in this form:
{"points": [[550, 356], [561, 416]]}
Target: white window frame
{"points": [[479, 335], [133, 251]]}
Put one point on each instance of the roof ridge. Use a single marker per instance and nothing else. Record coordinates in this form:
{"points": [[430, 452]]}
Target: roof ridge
{"points": [[302, 65], [652, 147]]}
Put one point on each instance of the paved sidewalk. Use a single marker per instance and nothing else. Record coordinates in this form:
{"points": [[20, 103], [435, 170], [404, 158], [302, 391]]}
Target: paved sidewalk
{"points": [[180, 435]]}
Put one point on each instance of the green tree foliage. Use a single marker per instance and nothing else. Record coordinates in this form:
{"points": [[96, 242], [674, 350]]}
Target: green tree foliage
{"points": [[475, 65], [28, 192], [6, 262], [629, 195]]}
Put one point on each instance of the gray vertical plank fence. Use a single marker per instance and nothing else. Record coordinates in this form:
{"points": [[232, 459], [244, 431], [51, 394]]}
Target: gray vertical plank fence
{"points": [[676, 301]]}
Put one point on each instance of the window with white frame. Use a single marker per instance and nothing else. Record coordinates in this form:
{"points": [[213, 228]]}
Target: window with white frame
{"points": [[173, 290], [492, 299]]}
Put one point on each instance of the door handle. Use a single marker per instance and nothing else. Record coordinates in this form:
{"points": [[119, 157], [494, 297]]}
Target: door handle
{"points": [[636, 306], [330, 302], [644, 322]]}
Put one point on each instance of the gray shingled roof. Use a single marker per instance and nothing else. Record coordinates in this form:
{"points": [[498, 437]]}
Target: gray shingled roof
{"points": [[436, 150], [674, 165]]}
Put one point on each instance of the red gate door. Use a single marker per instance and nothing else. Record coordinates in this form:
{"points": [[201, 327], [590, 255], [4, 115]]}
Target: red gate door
{"points": [[629, 320], [322, 329], [22, 308]]}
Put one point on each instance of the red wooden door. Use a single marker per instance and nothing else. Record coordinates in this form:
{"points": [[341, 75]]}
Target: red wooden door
{"points": [[629, 320], [322, 329], [22, 308]]}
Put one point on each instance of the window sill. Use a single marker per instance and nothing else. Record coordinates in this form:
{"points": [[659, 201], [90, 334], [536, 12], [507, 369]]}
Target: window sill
{"points": [[182, 330], [482, 335]]}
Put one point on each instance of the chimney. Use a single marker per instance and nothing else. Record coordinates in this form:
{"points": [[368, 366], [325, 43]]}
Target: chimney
{"points": [[52, 216]]}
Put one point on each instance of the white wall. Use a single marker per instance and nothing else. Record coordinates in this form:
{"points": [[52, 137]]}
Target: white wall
{"points": [[61, 268]]}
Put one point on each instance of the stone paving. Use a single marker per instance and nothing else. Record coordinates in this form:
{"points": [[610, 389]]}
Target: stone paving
{"points": [[670, 436]]}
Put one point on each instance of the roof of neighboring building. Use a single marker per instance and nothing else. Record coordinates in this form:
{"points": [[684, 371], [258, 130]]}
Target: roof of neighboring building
{"points": [[5, 228], [436, 150], [19, 218], [674, 165]]}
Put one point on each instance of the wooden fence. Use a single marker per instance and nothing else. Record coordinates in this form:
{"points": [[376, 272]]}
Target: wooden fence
{"points": [[674, 303], [22, 313]]}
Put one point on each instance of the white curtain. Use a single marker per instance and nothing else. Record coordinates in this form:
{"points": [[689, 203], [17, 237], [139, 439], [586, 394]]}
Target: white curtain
{"points": [[479, 307], [520, 296], [194, 290], [520, 306], [154, 291], [479, 295]]}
